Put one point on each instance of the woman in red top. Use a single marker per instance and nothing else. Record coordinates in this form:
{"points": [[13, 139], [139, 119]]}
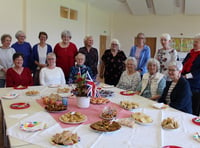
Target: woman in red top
{"points": [[18, 75], [65, 53]]}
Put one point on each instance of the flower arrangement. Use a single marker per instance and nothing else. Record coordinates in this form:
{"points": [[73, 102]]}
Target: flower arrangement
{"points": [[81, 86]]}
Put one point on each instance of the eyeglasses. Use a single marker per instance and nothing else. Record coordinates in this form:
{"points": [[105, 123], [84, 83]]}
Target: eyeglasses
{"points": [[114, 44], [50, 59], [172, 70]]}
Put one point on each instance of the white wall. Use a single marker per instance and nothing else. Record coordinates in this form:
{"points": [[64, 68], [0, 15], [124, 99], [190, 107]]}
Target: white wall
{"points": [[33, 16]]}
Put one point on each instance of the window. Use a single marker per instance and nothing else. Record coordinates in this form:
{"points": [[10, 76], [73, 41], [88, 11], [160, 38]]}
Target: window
{"points": [[68, 13]]}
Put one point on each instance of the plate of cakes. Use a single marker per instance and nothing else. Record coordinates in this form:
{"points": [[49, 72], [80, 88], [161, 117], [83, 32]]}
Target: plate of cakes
{"points": [[99, 101], [73, 118], [142, 118], [128, 105], [105, 126], [169, 124], [66, 138]]}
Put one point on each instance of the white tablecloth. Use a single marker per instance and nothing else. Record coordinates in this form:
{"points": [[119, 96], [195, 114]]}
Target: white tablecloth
{"points": [[152, 136]]}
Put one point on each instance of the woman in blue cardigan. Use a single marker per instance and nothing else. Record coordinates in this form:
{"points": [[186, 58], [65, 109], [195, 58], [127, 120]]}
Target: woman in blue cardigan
{"points": [[40, 52], [141, 52], [177, 93]]}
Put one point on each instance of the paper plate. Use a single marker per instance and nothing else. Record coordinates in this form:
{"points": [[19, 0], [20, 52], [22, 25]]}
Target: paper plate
{"points": [[196, 121], [20, 105], [127, 93], [33, 126], [56, 144], [10, 96], [84, 120], [54, 86], [20, 87], [142, 123]]}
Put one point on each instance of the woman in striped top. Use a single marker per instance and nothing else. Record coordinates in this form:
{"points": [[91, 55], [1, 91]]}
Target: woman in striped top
{"points": [[177, 93]]}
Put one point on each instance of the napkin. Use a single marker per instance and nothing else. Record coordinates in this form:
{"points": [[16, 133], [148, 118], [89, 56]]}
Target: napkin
{"points": [[159, 105]]}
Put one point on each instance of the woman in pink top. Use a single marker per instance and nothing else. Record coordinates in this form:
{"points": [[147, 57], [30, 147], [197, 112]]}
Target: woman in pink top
{"points": [[18, 75], [65, 53]]}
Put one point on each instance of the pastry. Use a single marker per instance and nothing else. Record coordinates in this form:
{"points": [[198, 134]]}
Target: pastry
{"points": [[169, 123]]}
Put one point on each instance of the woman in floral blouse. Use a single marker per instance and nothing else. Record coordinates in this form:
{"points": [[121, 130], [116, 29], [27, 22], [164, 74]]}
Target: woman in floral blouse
{"points": [[166, 54], [130, 78], [112, 64]]}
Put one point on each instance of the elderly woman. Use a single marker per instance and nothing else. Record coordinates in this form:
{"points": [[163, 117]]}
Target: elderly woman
{"points": [[79, 68], [65, 53], [51, 75], [91, 54], [130, 78], [112, 64], [18, 75], [24, 47], [6, 53], [177, 92], [153, 82], [40, 52], [191, 71], [166, 54], [141, 52]]}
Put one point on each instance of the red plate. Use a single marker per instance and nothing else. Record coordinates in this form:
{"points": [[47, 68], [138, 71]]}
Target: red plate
{"points": [[20, 105], [127, 93], [195, 122], [23, 87], [171, 146]]}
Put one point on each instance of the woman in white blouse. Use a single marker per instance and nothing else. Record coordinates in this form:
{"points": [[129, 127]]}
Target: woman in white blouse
{"points": [[166, 54], [129, 78], [52, 75], [6, 54]]}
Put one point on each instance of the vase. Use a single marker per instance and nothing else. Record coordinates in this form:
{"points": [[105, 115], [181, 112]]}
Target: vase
{"points": [[83, 102]]}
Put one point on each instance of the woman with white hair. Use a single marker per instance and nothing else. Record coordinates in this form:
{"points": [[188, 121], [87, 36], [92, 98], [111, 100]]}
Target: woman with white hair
{"points": [[79, 68], [166, 54], [65, 53], [112, 64], [91, 54], [191, 71], [51, 75], [141, 52], [177, 93], [153, 82], [21, 46], [130, 78]]}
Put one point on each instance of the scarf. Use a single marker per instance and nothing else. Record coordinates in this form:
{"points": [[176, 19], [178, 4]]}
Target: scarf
{"points": [[188, 64]]}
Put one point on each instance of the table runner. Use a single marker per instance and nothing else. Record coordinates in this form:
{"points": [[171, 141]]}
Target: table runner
{"points": [[92, 113]]}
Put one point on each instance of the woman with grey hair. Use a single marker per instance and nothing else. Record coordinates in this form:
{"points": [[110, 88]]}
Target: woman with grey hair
{"points": [[166, 54], [6, 53], [65, 53], [153, 82], [112, 64], [91, 54], [177, 93], [51, 75], [191, 71], [21, 46], [130, 78]]}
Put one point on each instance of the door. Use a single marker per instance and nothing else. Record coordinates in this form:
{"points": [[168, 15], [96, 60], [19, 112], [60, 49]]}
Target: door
{"points": [[151, 42]]}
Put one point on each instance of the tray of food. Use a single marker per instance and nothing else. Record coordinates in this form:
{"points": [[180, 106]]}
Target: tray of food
{"points": [[51, 99], [73, 118], [142, 118], [127, 93], [32, 93], [20, 105], [108, 113], [55, 107], [63, 90], [169, 124], [128, 105], [105, 126], [106, 93], [99, 101], [65, 138]]}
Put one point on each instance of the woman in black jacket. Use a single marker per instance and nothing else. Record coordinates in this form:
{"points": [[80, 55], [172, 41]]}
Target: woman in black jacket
{"points": [[177, 93]]}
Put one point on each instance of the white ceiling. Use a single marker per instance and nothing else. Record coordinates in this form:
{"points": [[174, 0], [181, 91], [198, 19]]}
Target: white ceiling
{"points": [[149, 7]]}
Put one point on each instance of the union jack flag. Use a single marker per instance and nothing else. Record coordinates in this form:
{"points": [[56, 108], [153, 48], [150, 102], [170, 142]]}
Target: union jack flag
{"points": [[92, 89]]}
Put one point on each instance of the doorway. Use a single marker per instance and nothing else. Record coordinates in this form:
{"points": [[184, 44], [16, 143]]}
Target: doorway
{"points": [[151, 42]]}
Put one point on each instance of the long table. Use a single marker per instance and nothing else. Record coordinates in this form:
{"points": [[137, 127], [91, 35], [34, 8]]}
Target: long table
{"points": [[152, 136]]}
